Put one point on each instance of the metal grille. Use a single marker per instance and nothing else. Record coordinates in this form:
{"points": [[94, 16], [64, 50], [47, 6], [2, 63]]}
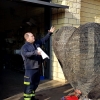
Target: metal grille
{"points": [[78, 51]]}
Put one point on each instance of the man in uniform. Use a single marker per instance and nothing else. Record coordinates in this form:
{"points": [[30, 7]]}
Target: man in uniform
{"points": [[31, 56]]}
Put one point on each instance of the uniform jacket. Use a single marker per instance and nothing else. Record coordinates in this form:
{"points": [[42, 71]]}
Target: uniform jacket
{"points": [[29, 52]]}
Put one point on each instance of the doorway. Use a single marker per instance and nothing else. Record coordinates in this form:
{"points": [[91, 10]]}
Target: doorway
{"points": [[16, 19]]}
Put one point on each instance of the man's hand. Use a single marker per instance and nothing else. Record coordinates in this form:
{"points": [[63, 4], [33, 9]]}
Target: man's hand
{"points": [[39, 52], [52, 29]]}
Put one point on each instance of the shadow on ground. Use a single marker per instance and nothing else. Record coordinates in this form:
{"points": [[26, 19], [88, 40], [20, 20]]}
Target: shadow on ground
{"points": [[11, 88], [11, 83], [54, 93]]}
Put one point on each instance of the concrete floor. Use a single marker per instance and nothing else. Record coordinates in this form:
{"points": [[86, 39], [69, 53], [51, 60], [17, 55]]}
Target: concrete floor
{"points": [[11, 87]]}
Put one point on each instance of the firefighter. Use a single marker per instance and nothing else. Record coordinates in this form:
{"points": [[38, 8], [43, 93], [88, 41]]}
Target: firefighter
{"points": [[31, 56]]}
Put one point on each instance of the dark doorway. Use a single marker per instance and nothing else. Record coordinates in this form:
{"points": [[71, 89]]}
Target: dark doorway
{"points": [[16, 19]]}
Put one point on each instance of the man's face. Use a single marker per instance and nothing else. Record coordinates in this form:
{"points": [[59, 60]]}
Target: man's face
{"points": [[31, 38]]}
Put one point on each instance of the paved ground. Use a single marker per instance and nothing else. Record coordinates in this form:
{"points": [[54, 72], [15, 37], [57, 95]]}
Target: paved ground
{"points": [[11, 87], [11, 83]]}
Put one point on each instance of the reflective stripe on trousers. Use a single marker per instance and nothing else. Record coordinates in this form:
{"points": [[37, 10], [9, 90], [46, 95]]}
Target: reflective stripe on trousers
{"points": [[28, 96]]}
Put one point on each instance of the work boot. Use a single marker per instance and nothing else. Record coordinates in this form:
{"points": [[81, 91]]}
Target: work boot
{"points": [[36, 99], [33, 98]]}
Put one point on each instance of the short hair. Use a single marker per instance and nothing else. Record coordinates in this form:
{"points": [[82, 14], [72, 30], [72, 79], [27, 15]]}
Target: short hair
{"points": [[26, 35]]}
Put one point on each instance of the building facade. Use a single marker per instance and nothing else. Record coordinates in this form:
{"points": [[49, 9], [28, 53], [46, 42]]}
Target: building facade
{"points": [[12, 15], [79, 12]]}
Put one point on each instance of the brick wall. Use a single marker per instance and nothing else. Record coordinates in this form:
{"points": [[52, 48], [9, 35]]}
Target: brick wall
{"points": [[79, 12], [90, 11], [63, 17]]}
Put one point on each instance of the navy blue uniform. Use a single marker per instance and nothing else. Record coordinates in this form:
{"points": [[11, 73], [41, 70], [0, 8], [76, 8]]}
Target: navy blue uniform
{"points": [[31, 62]]}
